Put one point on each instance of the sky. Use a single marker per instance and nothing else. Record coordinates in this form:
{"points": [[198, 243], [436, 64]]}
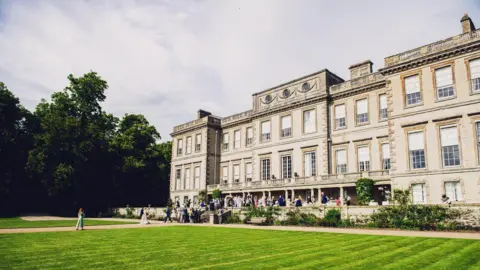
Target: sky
{"points": [[166, 59]]}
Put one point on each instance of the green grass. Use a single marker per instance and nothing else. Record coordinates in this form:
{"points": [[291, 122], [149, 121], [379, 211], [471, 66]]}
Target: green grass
{"points": [[229, 248], [11, 223]]}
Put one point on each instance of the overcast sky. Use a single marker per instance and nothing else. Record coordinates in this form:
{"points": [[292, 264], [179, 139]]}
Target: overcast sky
{"points": [[167, 59]]}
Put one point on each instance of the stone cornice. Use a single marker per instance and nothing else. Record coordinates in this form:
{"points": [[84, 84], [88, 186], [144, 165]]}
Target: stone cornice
{"points": [[272, 111], [447, 118], [193, 128], [428, 59]]}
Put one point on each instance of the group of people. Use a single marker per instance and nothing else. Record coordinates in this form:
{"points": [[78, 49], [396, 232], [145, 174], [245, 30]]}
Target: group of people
{"points": [[187, 213], [264, 201]]}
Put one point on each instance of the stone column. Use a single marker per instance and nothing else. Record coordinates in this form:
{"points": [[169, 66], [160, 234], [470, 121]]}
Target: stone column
{"points": [[341, 195], [269, 194], [286, 194], [312, 194], [263, 193], [293, 195], [319, 196]]}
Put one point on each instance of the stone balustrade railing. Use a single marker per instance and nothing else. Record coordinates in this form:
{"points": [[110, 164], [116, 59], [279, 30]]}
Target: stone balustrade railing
{"points": [[197, 122], [432, 48], [236, 117], [299, 181], [348, 85]]}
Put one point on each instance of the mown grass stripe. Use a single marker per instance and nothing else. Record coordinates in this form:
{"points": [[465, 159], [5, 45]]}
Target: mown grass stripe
{"points": [[228, 248], [352, 256], [274, 253]]}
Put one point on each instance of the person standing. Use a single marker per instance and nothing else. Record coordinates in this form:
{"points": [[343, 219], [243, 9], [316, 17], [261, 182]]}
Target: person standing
{"points": [[168, 213], [281, 201], [348, 200], [337, 201], [324, 198], [81, 215]]}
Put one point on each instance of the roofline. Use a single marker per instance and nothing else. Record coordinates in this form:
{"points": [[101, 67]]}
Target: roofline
{"points": [[292, 81]]}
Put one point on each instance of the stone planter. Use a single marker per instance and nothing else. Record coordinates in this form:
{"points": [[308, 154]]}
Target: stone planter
{"points": [[257, 220]]}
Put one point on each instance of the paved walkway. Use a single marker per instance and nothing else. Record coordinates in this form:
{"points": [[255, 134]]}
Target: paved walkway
{"points": [[459, 235]]}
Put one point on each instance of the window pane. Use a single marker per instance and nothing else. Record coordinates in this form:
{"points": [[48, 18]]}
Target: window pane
{"points": [[286, 122], [475, 69], [418, 192], [362, 106], [412, 84], [415, 140], [340, 111], [309, 121]]}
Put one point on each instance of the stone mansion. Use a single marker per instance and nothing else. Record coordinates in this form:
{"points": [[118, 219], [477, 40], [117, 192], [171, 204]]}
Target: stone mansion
{"points": [[413, 124]]}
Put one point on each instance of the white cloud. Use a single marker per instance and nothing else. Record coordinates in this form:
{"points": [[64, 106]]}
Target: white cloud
{"points": [[166, 59]]}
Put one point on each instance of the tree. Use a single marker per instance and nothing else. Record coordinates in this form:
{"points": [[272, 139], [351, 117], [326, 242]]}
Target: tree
{"points": [[16, 128], [364, 188], [142, 172], [69, 151]]}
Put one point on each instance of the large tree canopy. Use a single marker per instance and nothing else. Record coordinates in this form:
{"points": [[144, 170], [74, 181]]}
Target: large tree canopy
{"points": [[80, 155]]}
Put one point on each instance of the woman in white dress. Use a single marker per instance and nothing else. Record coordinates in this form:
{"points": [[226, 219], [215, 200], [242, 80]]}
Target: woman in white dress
{"points": [[144, 219]]}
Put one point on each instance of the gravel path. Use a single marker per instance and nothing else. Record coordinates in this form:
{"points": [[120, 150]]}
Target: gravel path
{"points": [[154, 223]]}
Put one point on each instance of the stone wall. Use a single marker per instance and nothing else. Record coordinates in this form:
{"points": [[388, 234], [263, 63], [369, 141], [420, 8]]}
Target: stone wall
{"points": [[355, 213]]}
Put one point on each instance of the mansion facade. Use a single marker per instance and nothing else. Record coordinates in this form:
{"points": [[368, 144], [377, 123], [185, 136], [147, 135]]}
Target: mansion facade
{"points": [[414, 124]]}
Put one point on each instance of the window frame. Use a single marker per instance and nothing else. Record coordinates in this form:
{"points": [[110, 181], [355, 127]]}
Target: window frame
{"points": [[356, 113], [235, 140], [404, 91], [433, 70], [469, 75], [340, 148], [447, 124], [246, 162], [199, 144], [261, 131], [246, 137], [380, 119], [225, 146], [476, 139], [414, 129], [178, 178], [195, 177], [307, 151], [281, 126], [225, 179], [185, 175], [334, 124], [360, 145], [287, 155], [239, 172], [179, 149], [425, 192], [314, 109], [461, 186], [269, 175], [188, 150]]}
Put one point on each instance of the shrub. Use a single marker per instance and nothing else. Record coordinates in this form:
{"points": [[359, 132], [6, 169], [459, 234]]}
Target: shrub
{"points": [[402, 197], [216, 193], [364, 188], [129, 212], [332, 218], [269, 213], [416, 217], [234, 218], [202, 195], [296, 217]]}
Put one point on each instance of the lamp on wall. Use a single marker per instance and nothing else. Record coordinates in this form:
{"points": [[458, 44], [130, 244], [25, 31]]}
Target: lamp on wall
{"points": [[273, 177], [295, 174]]}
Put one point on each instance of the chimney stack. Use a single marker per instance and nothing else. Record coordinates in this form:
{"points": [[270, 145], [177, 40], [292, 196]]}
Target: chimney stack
{"points": [[202, 113], [467, 24], [360, 69]]}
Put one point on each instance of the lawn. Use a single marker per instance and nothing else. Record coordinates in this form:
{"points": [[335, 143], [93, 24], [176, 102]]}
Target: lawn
{"points": [[227, 248], [10, 223]]}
